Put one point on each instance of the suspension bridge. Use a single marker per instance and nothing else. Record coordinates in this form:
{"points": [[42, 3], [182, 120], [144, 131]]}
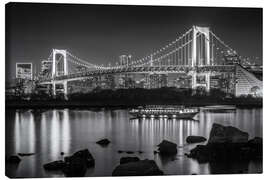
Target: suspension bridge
{"points": [[197, 52]]}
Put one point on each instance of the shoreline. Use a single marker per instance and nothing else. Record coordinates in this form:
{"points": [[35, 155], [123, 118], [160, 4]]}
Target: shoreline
{"points": [[118, 105]]}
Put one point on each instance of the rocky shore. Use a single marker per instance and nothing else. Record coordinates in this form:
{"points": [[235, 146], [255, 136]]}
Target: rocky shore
{"points": [[226, 146]]}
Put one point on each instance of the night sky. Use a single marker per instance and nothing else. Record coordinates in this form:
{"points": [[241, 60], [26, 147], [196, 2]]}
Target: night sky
{"points": [[101, 33]]}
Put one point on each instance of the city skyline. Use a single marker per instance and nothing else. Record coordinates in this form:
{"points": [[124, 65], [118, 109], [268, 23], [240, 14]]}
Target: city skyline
{"points": [[104, 32]]}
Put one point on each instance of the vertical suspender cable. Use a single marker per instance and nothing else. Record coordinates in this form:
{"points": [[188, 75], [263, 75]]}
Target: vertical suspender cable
{"points": [[181, 52], [185, 54], [187, 49], [178, 52]]}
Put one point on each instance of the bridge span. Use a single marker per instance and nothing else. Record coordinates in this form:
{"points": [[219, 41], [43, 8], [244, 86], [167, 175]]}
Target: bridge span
{"points": [[197, 52]]}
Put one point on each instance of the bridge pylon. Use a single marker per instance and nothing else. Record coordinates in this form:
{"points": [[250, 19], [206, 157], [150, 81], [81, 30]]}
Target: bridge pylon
{"points": [[206, 32], [54, 64], [195, 60]]}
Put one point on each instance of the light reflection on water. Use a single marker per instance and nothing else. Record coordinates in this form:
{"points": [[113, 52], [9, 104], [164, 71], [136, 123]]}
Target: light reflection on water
{"points": [[51, 132]]}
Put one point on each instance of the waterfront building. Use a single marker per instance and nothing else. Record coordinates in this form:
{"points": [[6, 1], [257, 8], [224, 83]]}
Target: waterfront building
{"points": [[157, 81], [24, 71], [215, 82], [163, 80], [109, 81], [183, 81], [140, 83]]}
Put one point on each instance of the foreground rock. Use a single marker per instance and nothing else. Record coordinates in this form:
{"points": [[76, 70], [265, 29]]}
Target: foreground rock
{"points": [[77, 164], [125, 160], [167, 148], [227, 144], [103, 142], [227, 134], [84, 155], [140, 168], [54, 166], [195, 139], [13, 159], [73, 166]]}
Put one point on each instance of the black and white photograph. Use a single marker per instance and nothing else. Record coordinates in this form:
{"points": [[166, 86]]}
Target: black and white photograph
{"points": [[94, 90]]}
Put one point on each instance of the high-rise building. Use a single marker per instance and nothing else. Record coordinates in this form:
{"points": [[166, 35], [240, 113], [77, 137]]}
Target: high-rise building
{"points": [[46, 68], [231, 58], [24, 71], [46, 65]]}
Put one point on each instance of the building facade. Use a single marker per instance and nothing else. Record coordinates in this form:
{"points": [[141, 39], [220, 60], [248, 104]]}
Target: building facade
{"points": [[24, 71]]}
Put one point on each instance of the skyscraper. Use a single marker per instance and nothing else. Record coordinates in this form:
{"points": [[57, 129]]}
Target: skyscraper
{"points": [[24, 71], [46, 67]]}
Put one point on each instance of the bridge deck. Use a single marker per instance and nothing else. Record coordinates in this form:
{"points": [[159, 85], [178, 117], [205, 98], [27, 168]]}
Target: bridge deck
{"points": [[147, 69]]}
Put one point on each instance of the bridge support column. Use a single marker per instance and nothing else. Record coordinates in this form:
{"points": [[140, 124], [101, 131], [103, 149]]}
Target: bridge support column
{"points": [[194, 83], [65, 89], [207, 81], [54, 88], [194, 80], [194, 47], [151, 60]]}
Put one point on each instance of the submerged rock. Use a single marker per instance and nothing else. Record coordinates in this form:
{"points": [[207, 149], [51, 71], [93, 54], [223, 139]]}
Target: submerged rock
{"points": [[103, 142], [54, 166], [124, 160], [13, 159], [167, 148], [195, 139], [26, 154], [129, 152], [139, 168]]}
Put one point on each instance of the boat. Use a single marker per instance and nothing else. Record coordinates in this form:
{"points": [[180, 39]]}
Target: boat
{"points": [[163, 111], [219, 108]]}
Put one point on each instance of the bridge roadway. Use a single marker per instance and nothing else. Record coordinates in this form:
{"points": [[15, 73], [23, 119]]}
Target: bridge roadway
{"points": [[212, 69]]}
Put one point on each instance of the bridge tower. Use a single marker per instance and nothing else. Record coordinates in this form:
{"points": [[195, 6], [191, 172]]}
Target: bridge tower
{"points": [[205, 31], [55, 72], [194, 57], [54, 64]]}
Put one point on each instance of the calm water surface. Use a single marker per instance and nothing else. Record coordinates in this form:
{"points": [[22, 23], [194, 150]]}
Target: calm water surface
{"points": [[50, 132]]}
